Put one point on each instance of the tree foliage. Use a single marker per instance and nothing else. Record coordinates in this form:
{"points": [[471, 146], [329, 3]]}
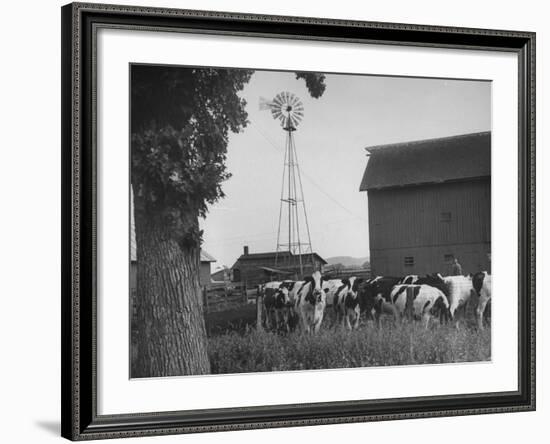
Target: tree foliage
{"points": [[181, 119], [315, 82]]}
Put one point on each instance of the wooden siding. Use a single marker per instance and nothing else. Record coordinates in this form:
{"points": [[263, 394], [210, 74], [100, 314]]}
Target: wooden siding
{"points": [[205, 278], [247, 268], [250, 273], [414, 222], [472, 258]]}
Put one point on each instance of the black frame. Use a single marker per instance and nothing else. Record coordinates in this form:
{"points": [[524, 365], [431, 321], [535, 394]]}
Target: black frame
{"points": [[79, 413]]}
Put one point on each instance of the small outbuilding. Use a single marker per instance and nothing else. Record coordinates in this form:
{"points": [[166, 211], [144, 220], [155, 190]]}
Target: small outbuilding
{"points": [[205, 268], [255, 268]]}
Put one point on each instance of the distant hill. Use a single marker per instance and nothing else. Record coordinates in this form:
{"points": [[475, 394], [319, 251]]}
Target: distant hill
{"points": [[347, 261]]}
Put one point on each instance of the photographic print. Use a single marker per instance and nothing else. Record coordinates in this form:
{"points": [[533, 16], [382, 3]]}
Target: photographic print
{"points": [[252, 202], [284, 221]]}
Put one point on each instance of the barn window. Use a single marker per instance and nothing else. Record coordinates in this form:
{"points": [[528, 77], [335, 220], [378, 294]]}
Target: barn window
{"points": [[448, 258], [409, 261], [446, 216]]}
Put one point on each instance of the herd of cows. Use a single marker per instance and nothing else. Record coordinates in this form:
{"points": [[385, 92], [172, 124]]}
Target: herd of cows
{"points": [[287, 304]]}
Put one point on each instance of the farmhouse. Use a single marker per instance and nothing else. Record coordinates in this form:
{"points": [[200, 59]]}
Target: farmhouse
{"points": [[256, 268], [429, 202]]}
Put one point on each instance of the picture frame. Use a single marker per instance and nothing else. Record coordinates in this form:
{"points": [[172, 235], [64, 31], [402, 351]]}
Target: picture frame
{"points": [[80, 212]]}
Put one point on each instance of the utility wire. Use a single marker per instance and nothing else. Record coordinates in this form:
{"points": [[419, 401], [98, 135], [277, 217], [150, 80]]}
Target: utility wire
{"points": [[308, 177]]}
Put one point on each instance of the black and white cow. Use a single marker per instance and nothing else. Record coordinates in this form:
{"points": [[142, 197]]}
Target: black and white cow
{"points": [[409, 279], [434, 280], [459, 292], [420, 302], [331, 287], [275, 304], [285, 298], [483, 286], [311, 302], [346, 303], [293, 294], [374, 297]]}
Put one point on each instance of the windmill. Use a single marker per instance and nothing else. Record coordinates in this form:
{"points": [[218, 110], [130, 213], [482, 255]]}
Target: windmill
{"points": [[289, 110]]}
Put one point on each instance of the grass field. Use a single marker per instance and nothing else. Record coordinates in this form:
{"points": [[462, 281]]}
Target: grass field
{"points": [[391, 344]]}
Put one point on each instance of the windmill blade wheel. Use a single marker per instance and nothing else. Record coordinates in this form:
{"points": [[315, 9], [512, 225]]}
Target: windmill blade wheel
{"points": [[285, 107]]}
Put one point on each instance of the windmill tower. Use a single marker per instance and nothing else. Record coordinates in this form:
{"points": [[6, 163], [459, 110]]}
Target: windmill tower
{"points": [[293, 231]]}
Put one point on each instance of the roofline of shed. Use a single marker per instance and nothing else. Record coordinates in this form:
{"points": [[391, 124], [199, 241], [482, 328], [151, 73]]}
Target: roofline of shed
{"points": [[251, 256], [374, 148], [435, 182]]}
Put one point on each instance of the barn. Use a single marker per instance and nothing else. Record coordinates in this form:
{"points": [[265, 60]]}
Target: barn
{"points": [[257, 268], [429, 202]]}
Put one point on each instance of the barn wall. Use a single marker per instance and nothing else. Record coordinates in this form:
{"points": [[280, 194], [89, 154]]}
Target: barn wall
{"points": [[251, 274], [414, 222], [249, 270], [472, 257]]}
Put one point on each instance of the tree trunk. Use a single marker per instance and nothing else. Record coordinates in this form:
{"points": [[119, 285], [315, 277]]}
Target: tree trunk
{"points": [[171, 329]]}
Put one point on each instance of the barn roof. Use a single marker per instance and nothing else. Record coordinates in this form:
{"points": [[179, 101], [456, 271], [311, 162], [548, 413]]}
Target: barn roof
{"points": [[276, 270], [251, 257], [466, 156], [269, 255], [205, 257]]}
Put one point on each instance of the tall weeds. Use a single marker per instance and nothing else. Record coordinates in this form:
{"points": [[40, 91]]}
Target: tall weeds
{"points": [[401, 344]]}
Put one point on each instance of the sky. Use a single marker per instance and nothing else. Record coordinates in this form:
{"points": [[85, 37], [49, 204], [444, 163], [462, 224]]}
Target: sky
{"points": [[355, 112]]}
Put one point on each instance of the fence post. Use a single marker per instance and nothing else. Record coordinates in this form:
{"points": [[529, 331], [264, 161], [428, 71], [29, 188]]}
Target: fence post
{"points": [[259, 306]]}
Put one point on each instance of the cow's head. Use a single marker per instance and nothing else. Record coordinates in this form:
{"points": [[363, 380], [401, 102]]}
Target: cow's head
{"points": [[282, 298], [352, 287], [316, 293]]}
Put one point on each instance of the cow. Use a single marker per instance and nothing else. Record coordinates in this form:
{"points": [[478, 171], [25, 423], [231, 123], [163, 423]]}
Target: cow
{"points": [[332, 286], [409, 279], [346, 303], [482, 283], [311, 302], [290, 290], [293, 294], [285, 300], [434, 280], [374, 297], [459, 292], [275, 303], [420, 302]]}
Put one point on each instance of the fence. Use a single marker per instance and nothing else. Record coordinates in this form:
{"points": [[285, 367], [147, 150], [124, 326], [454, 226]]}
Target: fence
{"points": [[342, 273], [226, 295]]}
